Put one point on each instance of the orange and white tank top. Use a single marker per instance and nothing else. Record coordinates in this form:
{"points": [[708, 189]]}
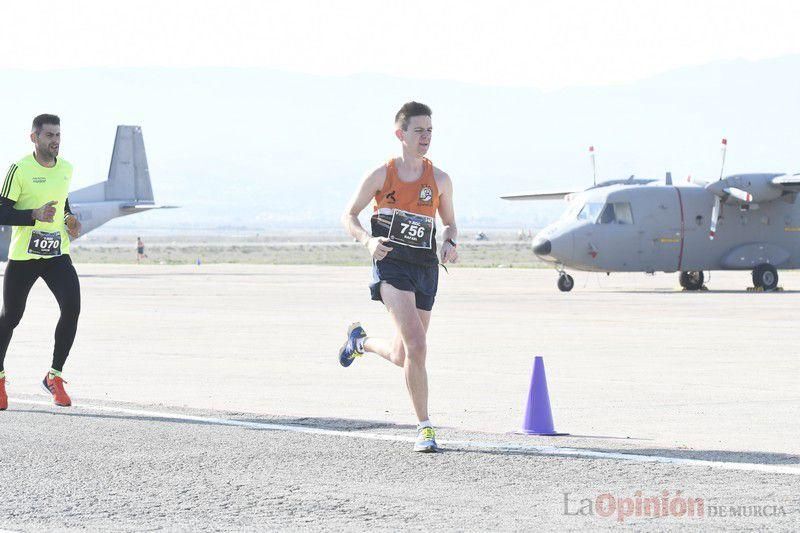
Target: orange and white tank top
{"points": [[420, 196], [405, 213]]}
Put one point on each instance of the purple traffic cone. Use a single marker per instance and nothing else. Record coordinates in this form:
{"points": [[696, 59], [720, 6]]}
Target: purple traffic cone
{"points": [[538, 417]]}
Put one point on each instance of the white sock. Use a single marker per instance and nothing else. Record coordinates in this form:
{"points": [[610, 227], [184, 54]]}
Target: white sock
{"points": [[424, 424]]}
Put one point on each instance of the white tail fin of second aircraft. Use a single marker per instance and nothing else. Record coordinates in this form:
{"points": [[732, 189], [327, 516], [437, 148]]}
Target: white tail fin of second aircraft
{"points": [[128, 176]]}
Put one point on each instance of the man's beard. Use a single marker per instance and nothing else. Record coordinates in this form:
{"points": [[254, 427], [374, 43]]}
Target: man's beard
{"points": [[47, 152]]}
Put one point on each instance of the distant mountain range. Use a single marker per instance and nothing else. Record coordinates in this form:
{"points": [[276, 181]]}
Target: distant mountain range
{"points": [[267, 149]]}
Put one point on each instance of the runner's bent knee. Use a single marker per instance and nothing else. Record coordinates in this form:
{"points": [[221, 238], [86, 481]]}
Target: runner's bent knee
{"points": [[416, 348], [71, 309]]}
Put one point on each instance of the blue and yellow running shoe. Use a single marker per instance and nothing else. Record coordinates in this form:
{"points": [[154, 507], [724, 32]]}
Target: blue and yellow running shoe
{"points": [[352, 347], [426, 440]]}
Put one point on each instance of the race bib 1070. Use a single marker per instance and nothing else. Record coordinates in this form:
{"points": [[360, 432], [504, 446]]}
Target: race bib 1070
{"points": [[411, 229], [44, 243]]}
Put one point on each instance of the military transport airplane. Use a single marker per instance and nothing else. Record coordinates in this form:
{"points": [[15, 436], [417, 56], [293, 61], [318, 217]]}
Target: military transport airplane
{"points": [[126, 191], [738, 222]]}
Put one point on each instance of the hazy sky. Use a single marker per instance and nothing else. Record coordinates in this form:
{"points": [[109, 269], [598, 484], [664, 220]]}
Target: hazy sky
{"points": [[546, 45]]}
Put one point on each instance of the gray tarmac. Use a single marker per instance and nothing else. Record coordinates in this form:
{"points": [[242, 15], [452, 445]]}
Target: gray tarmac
{"points": [[634, 367], [90, 469]]}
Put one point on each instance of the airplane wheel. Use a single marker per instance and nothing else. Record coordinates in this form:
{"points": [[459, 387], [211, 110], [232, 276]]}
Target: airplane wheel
{"points": [[765, 277], [692, 281], [565, 283]]}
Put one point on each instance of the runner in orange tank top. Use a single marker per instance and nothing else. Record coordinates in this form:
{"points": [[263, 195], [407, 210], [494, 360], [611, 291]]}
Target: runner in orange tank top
{"points": [[407, 192], [420, 196]]}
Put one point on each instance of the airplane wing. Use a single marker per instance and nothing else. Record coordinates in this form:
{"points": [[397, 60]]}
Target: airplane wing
{"points": [[787, 180], [145, 207], [537, 196]]}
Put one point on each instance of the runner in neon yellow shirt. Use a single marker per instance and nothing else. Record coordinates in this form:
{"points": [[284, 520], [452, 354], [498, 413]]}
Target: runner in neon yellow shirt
{"points": [[33, 199], [30, 184]]}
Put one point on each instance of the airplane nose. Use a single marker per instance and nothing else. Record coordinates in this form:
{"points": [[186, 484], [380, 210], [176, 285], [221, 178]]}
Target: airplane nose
{"points": [[543, 247]]}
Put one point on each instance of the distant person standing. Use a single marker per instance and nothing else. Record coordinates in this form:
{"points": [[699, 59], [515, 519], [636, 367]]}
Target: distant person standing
{"points": [[407, 192], [40, 247], [140, 250]]}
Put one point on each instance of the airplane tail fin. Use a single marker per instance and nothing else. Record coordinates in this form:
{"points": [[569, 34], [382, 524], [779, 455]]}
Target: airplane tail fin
{"points": [[128, 176]]}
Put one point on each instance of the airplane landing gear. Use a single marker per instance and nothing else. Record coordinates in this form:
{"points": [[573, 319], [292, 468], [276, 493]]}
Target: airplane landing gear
{"points": [[565, 282], [692, 281], [765, 277]]}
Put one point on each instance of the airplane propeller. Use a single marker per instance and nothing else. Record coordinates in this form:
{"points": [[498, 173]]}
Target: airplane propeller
{"points": [[739, 194], [721, 191], [718, 189], [714, 217]]}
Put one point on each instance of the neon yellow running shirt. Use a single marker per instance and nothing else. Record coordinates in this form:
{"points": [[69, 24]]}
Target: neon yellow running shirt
{"points": [[31, 185]]}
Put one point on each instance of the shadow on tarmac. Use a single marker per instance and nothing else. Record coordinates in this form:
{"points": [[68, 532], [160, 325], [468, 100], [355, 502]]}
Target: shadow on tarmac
{"points": [[337, 424], [341, 424], [574, 436]]}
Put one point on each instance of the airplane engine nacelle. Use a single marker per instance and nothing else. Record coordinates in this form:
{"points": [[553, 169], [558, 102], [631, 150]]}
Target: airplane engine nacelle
{"points": [[759, 187]]}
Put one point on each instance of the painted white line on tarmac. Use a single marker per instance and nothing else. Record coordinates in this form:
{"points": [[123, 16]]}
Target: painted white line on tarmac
{"points": [[468, 444]]}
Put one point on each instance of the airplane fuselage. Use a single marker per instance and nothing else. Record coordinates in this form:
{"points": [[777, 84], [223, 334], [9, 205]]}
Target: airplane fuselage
{"points": [[94, 214], [666, 229]]}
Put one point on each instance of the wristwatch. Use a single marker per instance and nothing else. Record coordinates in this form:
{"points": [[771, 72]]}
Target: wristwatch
{"points": [[452, 242]]}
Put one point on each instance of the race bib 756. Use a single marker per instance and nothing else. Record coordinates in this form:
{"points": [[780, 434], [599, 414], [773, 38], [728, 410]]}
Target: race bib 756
{"points": [[411, 229]]}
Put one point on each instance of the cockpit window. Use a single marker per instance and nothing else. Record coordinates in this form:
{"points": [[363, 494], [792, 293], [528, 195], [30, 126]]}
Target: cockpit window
{"points": [[607, 216], [572, 211], [590, 212], [617, 213], [623, 212]]}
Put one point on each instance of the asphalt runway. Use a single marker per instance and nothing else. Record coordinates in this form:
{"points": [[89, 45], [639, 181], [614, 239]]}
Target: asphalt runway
{"points": [[210, 397]]}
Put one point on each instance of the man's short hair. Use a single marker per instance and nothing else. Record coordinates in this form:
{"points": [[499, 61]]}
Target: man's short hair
{"points": [[411, 109], [41, 120]]}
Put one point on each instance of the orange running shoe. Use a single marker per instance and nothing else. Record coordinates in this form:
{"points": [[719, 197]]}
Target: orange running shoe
{"points": [[55, 387], [3, 395]]}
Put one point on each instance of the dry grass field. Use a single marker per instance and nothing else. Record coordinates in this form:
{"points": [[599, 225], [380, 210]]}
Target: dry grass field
{"points": [[503, 249]]}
